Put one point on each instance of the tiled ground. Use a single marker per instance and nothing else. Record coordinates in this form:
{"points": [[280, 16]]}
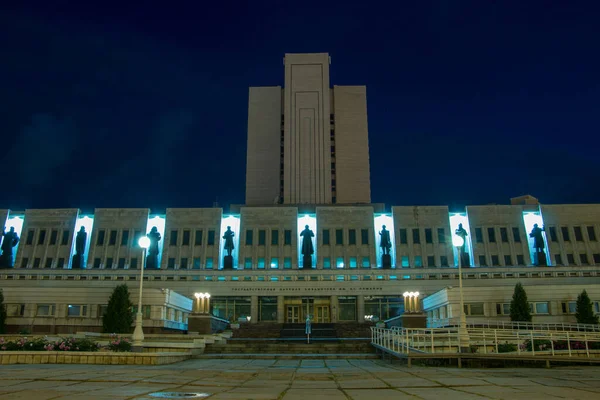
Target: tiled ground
{"points": [[296, 379]]}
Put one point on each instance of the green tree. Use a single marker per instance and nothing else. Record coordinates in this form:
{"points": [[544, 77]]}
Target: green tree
{"points": [[584, 311], [519, 306], [118, 316], [2, 313]]}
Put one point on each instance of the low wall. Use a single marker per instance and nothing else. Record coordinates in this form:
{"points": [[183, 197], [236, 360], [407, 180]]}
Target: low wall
{"points": [[83, 357]]}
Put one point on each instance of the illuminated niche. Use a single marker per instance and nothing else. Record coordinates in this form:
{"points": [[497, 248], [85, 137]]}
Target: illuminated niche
{"points": [[87, 221], [234, 222], [388, 221], [455, 220], [157, 221], [16, 222], [311, 221], [530, 218]]}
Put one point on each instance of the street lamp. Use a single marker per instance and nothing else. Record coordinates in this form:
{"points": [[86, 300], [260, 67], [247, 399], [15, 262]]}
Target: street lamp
{"points": [[201, 306], [463, 333], [138, 333]]}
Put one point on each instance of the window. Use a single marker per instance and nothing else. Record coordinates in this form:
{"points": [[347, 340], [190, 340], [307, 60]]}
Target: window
{"points": [[418, 261], [248, 263], [36, 262], [339, 262], [520, 259], [262, 237], [339, 236], [15, 310], [30, 235], [504, 235], [287, 263], [366, 263], [76, 310], [209, 262], [287, 237], [415, 236], [570, 259], [578, 234], [553, 234], [516, 235], [211, 238], [261, 263], [325, 236], [136, 239], [48, 262], [403, 238], [591, 233], [364, 236], [539, 308], [441, 235], [491, 235], [97, 262], [569, 307], [185, 240], [173, 238], [584, 259], [558, 259], [274, 262], [444, 261], [183, 263], [61, 263], [478, 235], [495, 260], [430, 261], [53, 237], [198, 238], [503, 308], [508, 260], [353, 263], [109, 263], [326, 263], [405, 262], [42, 236], [133, 263], [121, 263], [45, 310], [565, 233], [249, 237], [482, 261], [171, 263], [100, 240], [196, 263], [65, 238], [597, 258], [124, 238], [112, 239], [352, 236], [474, 309], [428, 236], [274, 237]]}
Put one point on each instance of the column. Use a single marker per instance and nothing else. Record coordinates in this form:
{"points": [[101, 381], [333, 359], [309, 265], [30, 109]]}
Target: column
{"points": [[280, 310], [334, 308], [360, 308], [253, 309]]}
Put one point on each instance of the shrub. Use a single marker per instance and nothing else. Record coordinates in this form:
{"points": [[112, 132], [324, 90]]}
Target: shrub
{"points": [[2, 313], [118, 343], [539, 345], [506, 347]]}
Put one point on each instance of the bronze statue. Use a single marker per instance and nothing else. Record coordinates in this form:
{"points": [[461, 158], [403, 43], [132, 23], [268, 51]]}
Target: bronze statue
{"points": [[228, 236], [11, 239], [80, 241], [385, 242], [536, 234], [152, 259], [307, 245], [464, 256]]}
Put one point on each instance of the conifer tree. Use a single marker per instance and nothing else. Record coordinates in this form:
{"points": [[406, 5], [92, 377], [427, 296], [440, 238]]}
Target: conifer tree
{"points": [[2, 313], [519, 306], [119, 316], [584, 311]]}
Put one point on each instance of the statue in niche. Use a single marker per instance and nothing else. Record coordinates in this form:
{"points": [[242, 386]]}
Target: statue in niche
{"points": [[538, 245], [307, 247], [386, 245], [80, 241], [464, 256], [228, 237], [11, 239], [152, 258]]}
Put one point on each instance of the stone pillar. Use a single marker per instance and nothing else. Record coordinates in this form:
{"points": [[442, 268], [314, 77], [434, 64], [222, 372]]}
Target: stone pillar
{"points": [[207, 305], [360, 308], [280, 310], [334, 308], [253, 309]]}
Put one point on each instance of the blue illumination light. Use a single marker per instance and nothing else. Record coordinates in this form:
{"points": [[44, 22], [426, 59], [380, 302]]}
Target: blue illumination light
{"points": [[17, 223], [234, 222], [455, 220], [311, 221], [158, 222], [388, 221], [530, 219], [87, 222]]}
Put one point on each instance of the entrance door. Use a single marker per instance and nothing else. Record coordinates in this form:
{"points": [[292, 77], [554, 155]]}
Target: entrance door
{"points": [[293, 314], [322, 314]]}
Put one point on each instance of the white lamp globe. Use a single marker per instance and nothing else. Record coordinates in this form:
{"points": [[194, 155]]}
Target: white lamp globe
{"points": [[457, 241], [144, 242]]}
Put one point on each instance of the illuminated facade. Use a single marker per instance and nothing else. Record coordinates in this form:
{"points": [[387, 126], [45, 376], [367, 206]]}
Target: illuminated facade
{"points": [[292, 184]]}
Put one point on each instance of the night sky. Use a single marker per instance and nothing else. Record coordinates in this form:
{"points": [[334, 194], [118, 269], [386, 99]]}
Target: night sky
{"points": [[469, 102]]}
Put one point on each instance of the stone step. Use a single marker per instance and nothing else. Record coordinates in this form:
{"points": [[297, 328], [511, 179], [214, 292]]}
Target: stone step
{"points": [[290, 356]]}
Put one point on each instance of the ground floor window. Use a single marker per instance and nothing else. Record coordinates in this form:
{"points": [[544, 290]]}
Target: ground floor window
{"points": [[268, 308], [384, 307], [347, 308], [230, 308]]}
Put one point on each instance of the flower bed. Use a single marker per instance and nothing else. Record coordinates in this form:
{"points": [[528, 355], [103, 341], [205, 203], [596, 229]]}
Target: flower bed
{"points": [[116, 344]]}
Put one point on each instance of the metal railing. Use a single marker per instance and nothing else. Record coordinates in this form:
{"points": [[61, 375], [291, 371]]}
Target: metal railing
{"points": [[491, 324], [488, 341]]}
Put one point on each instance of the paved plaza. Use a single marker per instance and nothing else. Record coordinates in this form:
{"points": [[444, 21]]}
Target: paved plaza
{"points": [[295, 379]]}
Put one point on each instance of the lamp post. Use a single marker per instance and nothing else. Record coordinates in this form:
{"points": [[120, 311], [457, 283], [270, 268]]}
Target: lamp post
{"points": [[138, 333], [463, 333]]}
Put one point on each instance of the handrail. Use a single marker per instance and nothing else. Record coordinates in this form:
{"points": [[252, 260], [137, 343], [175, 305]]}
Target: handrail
{"points": [[491, 324]]}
